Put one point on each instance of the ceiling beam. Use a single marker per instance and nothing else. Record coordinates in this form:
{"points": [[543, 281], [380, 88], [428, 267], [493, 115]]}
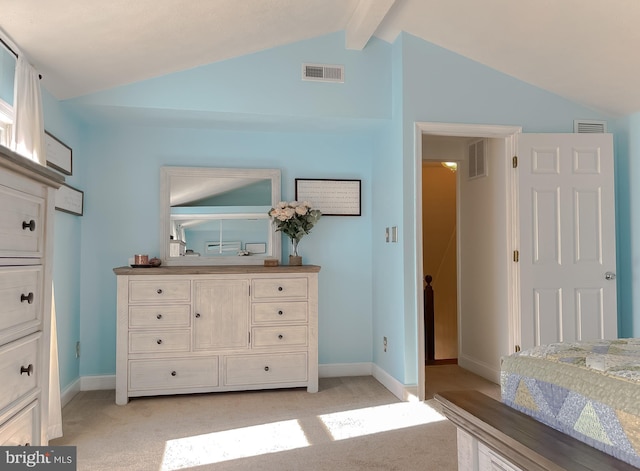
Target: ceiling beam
{"points": [[365, 20]]}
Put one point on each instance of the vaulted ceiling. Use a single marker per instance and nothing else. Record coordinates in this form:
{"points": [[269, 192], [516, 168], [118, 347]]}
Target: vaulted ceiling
{"points": [[584, 50]]}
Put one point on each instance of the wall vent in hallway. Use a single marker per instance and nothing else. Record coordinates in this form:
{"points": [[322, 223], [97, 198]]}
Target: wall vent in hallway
{"points": [[589, 126], [323, 73], [477, 161]]}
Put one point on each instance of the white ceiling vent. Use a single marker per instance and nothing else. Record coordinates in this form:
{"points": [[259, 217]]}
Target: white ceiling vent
{"points": [[589, 126], [323, 73]]}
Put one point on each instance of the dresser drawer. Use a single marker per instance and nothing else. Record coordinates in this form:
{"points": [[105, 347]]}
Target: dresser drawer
{"points": [[279, 312], [265, 369], [284, 336], [19, 368], [160, 290], [159, 316], [264, 288], [176, 373], [20, 298], [21, 224], [159, 341], [22, 429]]}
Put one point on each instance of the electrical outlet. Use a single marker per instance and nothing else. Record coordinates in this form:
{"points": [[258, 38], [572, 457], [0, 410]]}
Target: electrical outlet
{"points": [[78, 349], [384, 343]]}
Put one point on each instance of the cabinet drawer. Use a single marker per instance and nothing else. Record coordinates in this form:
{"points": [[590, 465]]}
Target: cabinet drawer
{"points": [[159, 341], [279, 288], [22, 429], [178, 373], [21, 224], [159, 316], [159, 290], [19, 368], [265, 369], [279, 312], [20, 297], [281, 336]]}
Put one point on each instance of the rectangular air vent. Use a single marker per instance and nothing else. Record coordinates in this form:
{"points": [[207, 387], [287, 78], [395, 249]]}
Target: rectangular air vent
{"points": [[477, 161], [589, 126], [323, 73]]}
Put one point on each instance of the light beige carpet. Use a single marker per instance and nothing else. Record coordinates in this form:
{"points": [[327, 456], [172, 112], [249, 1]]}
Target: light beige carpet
{"points": [[350, 424]]}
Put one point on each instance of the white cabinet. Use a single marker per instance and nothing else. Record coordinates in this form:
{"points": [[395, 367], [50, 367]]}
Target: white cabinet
{"points": [[220, 328], [27, 200]]}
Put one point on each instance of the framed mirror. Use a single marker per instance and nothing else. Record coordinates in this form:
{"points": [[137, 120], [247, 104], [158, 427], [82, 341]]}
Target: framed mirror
{"points": [[218, 216]]}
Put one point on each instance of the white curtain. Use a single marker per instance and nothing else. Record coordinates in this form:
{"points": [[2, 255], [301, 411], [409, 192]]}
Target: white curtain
{"points": [[55, 406], [28, 125]]}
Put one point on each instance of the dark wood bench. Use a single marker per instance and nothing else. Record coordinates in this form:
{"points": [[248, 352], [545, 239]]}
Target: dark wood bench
{"points": [[520, 439]]}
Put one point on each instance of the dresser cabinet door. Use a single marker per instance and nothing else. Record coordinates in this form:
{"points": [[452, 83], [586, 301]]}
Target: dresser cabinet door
{"points": [[221, 314], [23, 429]]}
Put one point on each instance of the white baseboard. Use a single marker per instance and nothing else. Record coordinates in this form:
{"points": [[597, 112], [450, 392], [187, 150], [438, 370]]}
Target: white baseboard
{"points": [[69, 392], [480, 368], [98, 382], [401, 391], [338, 370]]}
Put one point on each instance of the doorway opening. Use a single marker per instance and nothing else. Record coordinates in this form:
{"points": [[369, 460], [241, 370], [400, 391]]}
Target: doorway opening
{"points": [[504, 137]]}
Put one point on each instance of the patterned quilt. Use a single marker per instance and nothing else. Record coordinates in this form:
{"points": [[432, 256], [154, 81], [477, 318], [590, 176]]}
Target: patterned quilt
{"points": [[588, 390]]}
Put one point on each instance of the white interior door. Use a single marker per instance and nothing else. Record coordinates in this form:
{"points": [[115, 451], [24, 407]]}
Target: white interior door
{"points": [[567, 251]]}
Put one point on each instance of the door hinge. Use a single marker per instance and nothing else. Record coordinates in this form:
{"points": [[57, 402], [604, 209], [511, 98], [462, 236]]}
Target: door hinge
{"points": [[517, 348], [514, 161], [516, 256]]}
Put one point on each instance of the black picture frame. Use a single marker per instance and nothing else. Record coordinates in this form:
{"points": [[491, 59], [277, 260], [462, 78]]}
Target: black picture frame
{"points": [[332, 196]]}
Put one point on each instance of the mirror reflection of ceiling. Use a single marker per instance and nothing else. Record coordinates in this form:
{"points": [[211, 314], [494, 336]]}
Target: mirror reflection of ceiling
{"points": [[211, 191]]}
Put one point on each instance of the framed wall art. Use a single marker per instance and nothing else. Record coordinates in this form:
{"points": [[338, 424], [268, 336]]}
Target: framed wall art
{"points": [[70, 200], [332, 197], [59, 155]]}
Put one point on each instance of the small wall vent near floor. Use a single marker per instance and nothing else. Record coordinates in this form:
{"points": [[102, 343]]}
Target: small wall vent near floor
{"points": [[323, 73], [589, 126], [477, 161]]}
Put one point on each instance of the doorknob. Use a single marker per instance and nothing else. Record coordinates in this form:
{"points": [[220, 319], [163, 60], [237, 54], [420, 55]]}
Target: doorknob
{"points": [[609, 276]]}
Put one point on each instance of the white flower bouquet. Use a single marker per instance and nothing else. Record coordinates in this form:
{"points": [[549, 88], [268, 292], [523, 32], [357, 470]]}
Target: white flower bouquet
{"points": [[295, 219]]}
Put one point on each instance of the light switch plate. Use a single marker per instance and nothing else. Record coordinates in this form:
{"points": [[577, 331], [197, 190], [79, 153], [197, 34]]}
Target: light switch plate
{"points": [[394, 234], [386, 234]]}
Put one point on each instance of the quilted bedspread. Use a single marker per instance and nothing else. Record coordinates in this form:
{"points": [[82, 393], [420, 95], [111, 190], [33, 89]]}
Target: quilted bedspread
{"points": [[588, 390]]}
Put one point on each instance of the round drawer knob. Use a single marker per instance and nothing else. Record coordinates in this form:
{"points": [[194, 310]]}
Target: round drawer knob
{"points": [[31, 225], [266, 368], [26, 297], [26, 369], [159, 316], [159, 341], [280, 288], [198, 315], [280, 337], [280, 313], [159, 291], [173, 373]]}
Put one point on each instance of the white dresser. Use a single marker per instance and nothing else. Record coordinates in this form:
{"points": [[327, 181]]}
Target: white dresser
{"points": [[27, 201], [216, 328]]}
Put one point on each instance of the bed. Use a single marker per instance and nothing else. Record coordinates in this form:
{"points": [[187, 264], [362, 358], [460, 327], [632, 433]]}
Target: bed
{"points": [[587, 390]]}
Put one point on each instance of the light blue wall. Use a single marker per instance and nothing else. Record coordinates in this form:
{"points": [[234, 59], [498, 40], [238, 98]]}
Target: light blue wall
{"points": [[255, 111]]}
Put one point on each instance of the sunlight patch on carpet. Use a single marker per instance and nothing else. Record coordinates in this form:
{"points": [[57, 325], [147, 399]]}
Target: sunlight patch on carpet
{"points": [[232, 444], [356, 423]]}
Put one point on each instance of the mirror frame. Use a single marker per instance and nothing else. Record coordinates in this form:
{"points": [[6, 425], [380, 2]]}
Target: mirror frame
{"points": [[275, 238]]}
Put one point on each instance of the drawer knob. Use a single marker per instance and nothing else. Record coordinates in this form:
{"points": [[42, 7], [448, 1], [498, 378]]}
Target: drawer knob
{"points": [[159, 341], [280, 288], [266, 368], [173, 373], [31, 225], [159, 316], [280, 313], [26, 297], [280, 336], [159, 291], [26, 369]]}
